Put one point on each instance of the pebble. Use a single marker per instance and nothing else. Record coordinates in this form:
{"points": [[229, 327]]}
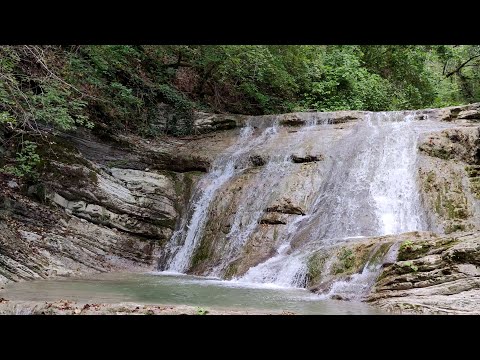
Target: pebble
{"points": [[12, 184]]}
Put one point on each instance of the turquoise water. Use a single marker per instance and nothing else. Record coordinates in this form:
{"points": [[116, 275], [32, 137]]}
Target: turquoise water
{"points": [[158, 288]]}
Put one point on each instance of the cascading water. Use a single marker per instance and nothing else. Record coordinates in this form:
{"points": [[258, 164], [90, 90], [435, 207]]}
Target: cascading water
{"points": [[394, 187], [185, 240], [366, 186], [370, 190], [251, 207]]}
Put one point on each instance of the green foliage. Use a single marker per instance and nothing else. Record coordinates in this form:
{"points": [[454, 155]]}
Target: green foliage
{"points": [[406, 245], [410, 265], [55, 106], [201, 311], [26, 162], [182, 120], [154, 89], [6, 118], [121, 86]]}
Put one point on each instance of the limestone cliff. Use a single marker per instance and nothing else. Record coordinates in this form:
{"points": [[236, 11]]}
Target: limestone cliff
{"points": [[107, 205]]}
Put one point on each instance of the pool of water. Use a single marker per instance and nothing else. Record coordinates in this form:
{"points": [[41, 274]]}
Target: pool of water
{"points": [[173, 289]]}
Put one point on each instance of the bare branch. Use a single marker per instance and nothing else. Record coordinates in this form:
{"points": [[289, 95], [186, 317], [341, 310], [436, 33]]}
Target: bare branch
{"points": [[456, 71], [41, 61]]}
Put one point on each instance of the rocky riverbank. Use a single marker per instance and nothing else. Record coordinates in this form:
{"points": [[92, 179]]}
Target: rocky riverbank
{"points": [[64, 307], [113, 204], [440, 275]]}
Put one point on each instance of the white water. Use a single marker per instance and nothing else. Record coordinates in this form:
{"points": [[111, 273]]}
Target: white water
{"points": [[371, 190], [184, 241], [263, 189], [282, 269], [394, 187]]}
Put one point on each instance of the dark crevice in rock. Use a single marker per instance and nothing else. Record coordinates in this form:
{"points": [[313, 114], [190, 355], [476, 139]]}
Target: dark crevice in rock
{"points": [[257, 160], [272, 221], [305, 159], [286, 208], [292, 120]]}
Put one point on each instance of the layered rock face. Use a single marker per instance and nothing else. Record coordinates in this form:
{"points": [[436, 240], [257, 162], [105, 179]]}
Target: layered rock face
{"points": [[108, 206], [37, 241], [448, 171], [440, 275], [91, 215]]}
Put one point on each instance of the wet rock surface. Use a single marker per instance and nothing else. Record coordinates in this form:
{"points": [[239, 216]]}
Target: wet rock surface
{"points": [[66, 307], [434, 276], [110, 205]]}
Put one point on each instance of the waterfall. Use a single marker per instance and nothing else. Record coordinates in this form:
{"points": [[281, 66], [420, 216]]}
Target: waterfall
{"points": [[365, 186], [370, 190], [184, 241], [251, 207]]}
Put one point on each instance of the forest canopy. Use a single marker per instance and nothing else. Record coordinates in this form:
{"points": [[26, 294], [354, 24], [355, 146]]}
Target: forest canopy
{"points": [[128, 87]]}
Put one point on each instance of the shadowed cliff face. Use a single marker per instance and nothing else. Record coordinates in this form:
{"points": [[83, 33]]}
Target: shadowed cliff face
{"points": [[302, 199], [101, 206]]}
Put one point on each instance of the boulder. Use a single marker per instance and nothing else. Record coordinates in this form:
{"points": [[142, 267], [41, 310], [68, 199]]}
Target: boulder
{"points": [[469, 114]]}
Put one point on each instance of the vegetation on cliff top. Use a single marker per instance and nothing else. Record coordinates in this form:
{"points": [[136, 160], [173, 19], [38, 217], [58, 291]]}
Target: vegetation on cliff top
{"points": [[153, 90]]}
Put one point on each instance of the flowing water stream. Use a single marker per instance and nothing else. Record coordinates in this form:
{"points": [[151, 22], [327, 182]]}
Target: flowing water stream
{"points": [[369, 189], [117, 288], [185, 240], [365, 186]]}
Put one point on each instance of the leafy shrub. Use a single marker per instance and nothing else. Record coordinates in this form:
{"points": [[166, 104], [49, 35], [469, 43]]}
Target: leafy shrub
{"points": [[26, 162]]}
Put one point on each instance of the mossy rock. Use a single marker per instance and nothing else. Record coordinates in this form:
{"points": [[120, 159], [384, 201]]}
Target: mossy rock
{"points": [[429, 181], [37, 192], [454, 228], [402, 267], [377, 257], [440, 153], [473, 170], [315, 266], [345, 261], [231, 271], [410, 250], [60, 150], [201, 254], [166, 223]]}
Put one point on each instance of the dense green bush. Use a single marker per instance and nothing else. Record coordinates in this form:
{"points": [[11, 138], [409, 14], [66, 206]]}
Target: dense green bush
{"points": [[121, 87], [26, 162], [153, 90]]}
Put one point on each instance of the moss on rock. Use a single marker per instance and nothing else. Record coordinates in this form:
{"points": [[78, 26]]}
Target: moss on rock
{"points": [[315, 266]]}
